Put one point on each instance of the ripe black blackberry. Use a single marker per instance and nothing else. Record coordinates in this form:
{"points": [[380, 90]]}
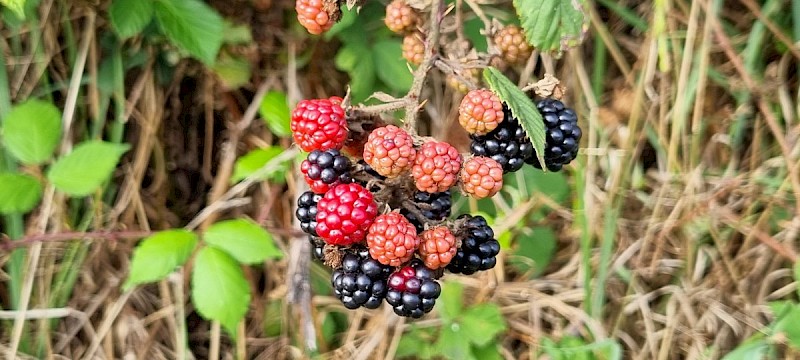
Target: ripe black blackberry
{"points": [[361, 280], [325, 169], [317, 247], [563, 135], [508, 144], [434, 206], [413, 290], [307, 212], [478, 249]]}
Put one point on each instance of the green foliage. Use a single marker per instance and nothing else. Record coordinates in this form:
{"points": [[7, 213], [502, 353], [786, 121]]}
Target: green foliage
{"points": [[88, 166], [274, 109], [192, 25], [244, 240], [392, 67], [756, 347], [552, 25], [158, 255], [573, 348], [219, 289], [233, 71], [130, 17], [252, 163], [31, 131], [522, 107], [19, 193], [17, 6], [534, 248], [464, 334]]}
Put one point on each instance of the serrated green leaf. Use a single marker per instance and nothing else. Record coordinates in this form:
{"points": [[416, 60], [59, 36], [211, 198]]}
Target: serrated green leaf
{"points": [[191, 25], [789, 324], [488, 352], [17, 6], [19, 193], [234, 72], [243, 239], [32, 130], [219, 289], [88, 166], [754, 348], [274, 109], [534, 249], [392, 69], [356, 59], [481, 323], [521, 106], [552, 25], [158, 255], [253, 161], [453, 343], [451, 300], [130, 17]]}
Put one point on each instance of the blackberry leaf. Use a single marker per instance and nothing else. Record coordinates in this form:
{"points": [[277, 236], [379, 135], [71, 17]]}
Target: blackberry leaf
{"points": [[552, 25], [521, 106]]}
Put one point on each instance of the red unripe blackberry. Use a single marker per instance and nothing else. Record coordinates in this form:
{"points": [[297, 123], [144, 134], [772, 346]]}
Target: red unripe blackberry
{"points": [[436, 166], [317, 16], [361, 281], [437, 248], [392, 240], [325, 169], [478, 249], [413, 290], [481, 177], [389, 151], [512, 44], [480, 112], [345, 213], [319, 124], [400, 17]]}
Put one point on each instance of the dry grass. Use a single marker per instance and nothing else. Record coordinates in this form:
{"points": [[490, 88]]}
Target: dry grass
{"points": [[683, 226]]}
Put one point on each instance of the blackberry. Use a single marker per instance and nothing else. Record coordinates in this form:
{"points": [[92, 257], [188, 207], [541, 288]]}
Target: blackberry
{"points": [[508, 144], [317, 247], [434, 206], [325, 169], [361, 281], [478, 249], [413, 290], [367, 174], [563, 135], [307, 212]]}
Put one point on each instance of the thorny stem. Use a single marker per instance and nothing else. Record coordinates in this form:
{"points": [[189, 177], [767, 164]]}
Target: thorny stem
{"points": [[431, 44]]}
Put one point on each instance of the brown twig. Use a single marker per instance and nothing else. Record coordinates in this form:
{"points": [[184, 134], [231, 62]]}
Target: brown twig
{"points": [[431, 44]]}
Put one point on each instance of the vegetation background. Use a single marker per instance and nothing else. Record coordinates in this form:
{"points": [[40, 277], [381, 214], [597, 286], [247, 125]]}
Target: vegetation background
{"points": [[673, 235]]}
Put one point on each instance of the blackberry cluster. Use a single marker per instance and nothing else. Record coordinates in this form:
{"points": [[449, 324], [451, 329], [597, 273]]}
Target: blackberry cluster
{"points": [[478, 249], [413, 290], [317, 247], [563, 135], [307, 212], [508, 144], [324, 169], [361, 281], [434, 206]]}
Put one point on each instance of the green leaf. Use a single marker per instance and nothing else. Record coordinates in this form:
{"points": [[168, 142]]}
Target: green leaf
{"points": [[472, 29], [17, 6], [234, 72], [488, 352], [453, 343], [416, 344], [255, 160], [88, 166], [19, 193], [756, 347], [534, 250], [191, 25], [129, 17], [552, 25], [220, 291], [31, 131], [451, 300], [789, 324], [243, 239], [393, 70], [274, 109], [797, 275], [158, 255], [521, 106], [482, 323], [355, 58]]}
